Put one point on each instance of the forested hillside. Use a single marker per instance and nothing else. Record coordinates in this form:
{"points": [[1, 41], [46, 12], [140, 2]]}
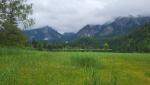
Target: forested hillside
{"points": [[138, 40]]}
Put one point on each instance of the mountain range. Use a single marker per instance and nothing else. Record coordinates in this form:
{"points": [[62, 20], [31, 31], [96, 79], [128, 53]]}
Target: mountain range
{"points": [[119, 27]]}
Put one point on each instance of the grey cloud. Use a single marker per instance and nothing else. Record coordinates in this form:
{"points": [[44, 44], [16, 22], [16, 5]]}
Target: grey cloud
{"points": [[72, 15]]}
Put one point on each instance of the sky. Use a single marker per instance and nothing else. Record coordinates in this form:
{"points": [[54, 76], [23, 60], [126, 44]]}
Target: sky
{"points": [[72, 15]]}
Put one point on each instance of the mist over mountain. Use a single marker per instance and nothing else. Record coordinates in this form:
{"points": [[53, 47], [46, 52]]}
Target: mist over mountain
{"points": [[120, 26], [71, 15]]}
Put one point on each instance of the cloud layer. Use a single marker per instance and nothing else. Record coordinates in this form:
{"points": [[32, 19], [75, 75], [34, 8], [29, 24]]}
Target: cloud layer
{"points": [[72, 15]]}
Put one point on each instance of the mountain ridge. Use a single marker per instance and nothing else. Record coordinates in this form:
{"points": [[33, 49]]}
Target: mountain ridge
{"points": [[43, 33], [119, 27]]}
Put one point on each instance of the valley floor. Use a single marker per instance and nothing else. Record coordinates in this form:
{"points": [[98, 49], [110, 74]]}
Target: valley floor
{"points": [[29, 67]]}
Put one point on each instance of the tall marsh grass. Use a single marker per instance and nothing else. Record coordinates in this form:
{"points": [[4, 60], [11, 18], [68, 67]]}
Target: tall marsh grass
{"points": [[90, 66], [85, 62]]}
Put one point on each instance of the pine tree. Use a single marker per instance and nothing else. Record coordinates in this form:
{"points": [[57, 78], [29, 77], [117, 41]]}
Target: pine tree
{"points": [[106, 46]]}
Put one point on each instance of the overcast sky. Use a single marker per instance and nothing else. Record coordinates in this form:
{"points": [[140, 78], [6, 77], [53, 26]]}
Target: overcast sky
{"points": [[72, 15]]}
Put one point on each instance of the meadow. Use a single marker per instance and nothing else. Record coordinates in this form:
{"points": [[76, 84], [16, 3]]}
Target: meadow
{"points": [[30, 67]]}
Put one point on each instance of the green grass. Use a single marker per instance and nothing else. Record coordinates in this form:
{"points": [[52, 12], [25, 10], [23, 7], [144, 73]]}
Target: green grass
{"points": [[29, 67]]}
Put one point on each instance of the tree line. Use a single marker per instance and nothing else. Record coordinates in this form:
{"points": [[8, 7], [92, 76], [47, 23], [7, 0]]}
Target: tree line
{"points": [[86, 43]]}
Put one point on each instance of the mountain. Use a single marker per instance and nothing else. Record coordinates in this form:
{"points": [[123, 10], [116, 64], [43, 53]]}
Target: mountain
{"points": [[138, 40], [44, 33], [120, 26], [89, 31], [69, 36]]}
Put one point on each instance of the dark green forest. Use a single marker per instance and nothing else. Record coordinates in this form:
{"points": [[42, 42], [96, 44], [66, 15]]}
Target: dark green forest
{"points": [[138, 40]]}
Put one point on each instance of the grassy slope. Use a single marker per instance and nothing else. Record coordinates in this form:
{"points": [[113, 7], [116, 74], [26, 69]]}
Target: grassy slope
{"points": [[23, 67]]}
